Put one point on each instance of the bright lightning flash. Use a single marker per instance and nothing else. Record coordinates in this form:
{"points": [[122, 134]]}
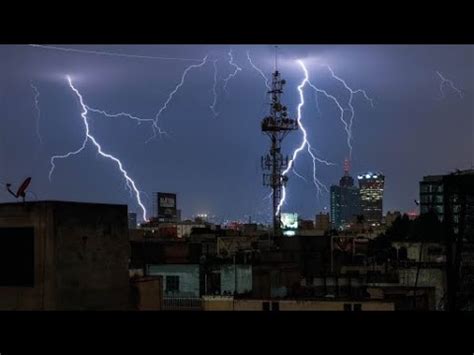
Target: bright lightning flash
{"points": [[234, 73], [89, 137], [304, 143]]}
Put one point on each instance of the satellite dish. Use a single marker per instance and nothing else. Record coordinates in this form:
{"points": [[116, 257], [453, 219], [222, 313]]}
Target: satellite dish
{"points": [[21, 192]]}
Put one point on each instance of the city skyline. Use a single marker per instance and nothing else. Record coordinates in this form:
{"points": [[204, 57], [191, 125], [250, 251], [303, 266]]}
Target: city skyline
{"points": [[213, 161]]}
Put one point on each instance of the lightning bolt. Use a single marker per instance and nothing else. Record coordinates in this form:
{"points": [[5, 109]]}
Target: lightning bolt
{"points": [[352, 92], [341, 111], [234, 73], [89, 137], [38, 111], [139, 120], [154, 121], [299, 175], [214, 90], [304, 144], [172, 93], [267, 84], [84, 51], [450, 83]]}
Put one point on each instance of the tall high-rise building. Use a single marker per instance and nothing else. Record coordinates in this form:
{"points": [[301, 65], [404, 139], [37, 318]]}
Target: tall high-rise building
{"points": [[451, 197], [371, 196], [345, 200]]}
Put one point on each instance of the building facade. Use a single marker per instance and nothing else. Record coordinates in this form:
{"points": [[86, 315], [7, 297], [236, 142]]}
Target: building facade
{"points": [[451, 197], [432, 195], [64, 256], [345, 200], [371, 196]]}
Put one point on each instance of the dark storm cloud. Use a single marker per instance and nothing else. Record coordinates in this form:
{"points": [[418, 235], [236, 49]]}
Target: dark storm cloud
{"points": [[213, 163]]}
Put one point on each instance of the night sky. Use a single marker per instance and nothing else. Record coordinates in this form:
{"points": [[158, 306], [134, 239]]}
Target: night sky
{"points": [[213, 163]]}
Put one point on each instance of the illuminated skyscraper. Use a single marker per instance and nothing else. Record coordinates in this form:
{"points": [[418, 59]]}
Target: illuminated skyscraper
{"points": [[371, 195], [345, 200]]}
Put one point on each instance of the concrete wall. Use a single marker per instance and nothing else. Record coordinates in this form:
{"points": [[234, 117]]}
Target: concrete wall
{"points": [[147, 293], [188, 277], [92, 256], [217, 303], [41, 295], [81, 256], [184, 229], [229, 282], [413, 251], [433, 277], [229, 304]]}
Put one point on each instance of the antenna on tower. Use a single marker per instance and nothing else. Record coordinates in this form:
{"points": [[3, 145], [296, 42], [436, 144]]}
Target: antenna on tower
{"points": [[347, 166], [276, 58], [276, 126]]}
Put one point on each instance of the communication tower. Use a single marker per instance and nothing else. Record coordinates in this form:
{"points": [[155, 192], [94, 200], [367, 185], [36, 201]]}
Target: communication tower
{"points": [[276, 126]]}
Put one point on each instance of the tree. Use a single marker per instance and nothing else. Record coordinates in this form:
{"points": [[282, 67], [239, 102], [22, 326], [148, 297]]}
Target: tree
{"points": [[400, 229], [427, 228]]}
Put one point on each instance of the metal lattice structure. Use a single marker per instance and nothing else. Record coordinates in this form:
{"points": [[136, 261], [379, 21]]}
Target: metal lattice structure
{"points": [[277, 125]]}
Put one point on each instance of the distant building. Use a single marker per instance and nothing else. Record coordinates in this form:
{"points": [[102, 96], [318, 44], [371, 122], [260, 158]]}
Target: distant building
{"points": [[322, 222], [185, 228], [305, 224], [132, 220], [345, 200], [165, 207], [390, 217], [180, 280], [371, 196]]}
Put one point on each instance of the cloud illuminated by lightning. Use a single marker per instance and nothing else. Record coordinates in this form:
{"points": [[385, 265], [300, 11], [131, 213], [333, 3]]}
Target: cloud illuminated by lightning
{"points": [[304, 144], [38, 112], [89, 137], [450, 83], [234, 73]]}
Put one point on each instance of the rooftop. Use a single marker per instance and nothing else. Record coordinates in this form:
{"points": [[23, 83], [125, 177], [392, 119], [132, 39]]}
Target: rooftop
{"points": [[56, 202]]}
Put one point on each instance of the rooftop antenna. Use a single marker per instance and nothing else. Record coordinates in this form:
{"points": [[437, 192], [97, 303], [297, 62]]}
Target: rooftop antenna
{"points": [[21, 192], [276, 58], [347, 166]]}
